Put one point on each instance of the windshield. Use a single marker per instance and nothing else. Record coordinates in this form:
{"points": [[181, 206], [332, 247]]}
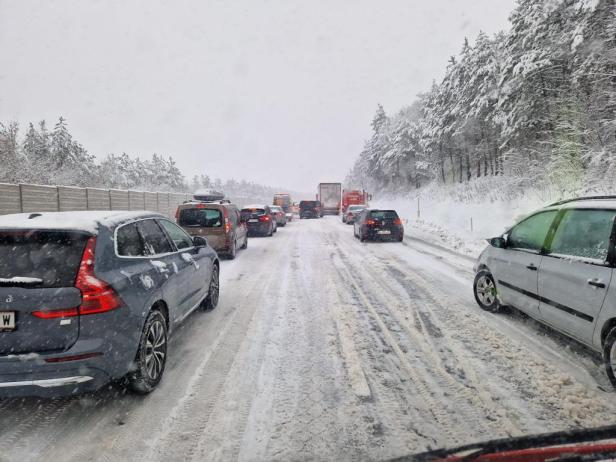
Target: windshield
{"points": [[40, 258], [248, 213], [383, 214], [206, 218], [325, 230]]}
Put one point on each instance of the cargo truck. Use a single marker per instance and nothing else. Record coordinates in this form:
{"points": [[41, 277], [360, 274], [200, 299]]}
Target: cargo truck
{"points": [[353, 197], [330, 195]]}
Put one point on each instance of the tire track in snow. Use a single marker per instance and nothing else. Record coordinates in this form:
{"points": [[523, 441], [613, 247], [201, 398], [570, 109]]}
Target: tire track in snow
{"points": [[429, 338], [419, 378]]}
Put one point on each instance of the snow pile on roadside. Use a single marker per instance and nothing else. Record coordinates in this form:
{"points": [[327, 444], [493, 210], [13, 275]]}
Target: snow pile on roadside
{"points": [[459, 226]]}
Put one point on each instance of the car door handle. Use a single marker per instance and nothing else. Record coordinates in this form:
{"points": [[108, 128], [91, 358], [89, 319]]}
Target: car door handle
{"points": [[532, 267], [595, 283]]}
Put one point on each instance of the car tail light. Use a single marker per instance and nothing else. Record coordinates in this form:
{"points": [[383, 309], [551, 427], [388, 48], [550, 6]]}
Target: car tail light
{"points": [[177, 214], [397, 221], [51, 314], [264, 218], [227, 224], [96, 296], [64, 359], [370, 222]]}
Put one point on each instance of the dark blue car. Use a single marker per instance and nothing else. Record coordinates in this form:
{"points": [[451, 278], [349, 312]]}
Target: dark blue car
{"points": [[90, 297]]}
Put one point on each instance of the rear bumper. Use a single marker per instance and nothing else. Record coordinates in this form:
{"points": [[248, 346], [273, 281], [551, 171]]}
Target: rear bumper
{"points": [[374, 235], [259, 230], [54, 382]]}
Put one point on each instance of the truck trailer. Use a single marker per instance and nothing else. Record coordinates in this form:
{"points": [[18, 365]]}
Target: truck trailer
{"points": [[330, 196]]}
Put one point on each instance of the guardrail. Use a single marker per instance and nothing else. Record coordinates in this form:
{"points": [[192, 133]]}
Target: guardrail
{"points": [[17, 198]]}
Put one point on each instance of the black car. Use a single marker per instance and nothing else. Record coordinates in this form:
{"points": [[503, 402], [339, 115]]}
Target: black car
{"points": [[373, 224], [310, 209], [259, 220]]}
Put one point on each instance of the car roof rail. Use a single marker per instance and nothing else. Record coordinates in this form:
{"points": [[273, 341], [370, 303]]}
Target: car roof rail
{"points": [[575, 199]]}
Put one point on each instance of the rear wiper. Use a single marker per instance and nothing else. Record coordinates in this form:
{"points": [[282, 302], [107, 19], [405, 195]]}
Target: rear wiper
{"points": [[20, 281], [518, 443]]}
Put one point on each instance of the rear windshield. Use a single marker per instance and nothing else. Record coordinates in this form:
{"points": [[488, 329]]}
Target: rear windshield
{"points": [[308, 204], [200, 218], [384, 214], [248, 213], [47, 258]]}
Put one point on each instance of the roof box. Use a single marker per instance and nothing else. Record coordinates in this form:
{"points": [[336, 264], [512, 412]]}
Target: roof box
{"points": [[208, 195]]}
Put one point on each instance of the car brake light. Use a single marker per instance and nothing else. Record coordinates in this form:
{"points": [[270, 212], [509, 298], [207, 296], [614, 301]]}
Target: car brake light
{"points": [[177, 214], [397, 221], [370, 222], [264, 218], [96, 296]]}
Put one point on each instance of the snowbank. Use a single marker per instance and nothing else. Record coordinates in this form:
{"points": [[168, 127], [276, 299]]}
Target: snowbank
{"points": [[457, 225]]}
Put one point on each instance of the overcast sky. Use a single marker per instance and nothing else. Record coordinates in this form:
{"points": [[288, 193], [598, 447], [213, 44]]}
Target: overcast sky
{"points": [[278, 92]]}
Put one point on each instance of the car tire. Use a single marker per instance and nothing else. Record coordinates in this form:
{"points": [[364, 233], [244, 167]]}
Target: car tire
{"points": [[233, 251], [150, 361], [211, 300], [609, 355], [245, 244], [484, 289], [361, 237], [401, 238]]}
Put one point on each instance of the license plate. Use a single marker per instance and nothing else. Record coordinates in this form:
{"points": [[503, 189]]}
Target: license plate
{"points": [[253, 221], [7, 320], [384, 231]]}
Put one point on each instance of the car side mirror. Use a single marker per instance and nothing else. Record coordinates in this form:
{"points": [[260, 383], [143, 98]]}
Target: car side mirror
{"points": [[199, 241], [499, 242]]}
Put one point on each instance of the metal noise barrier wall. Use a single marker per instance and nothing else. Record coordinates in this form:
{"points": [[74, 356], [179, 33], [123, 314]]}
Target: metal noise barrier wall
{"points": [[17, 198]]}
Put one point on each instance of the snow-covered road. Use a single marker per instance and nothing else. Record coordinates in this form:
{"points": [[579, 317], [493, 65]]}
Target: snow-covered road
{"points": [[324, 348]]}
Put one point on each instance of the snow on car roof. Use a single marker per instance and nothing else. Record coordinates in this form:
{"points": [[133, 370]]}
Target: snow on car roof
{"points": [[87, 221], [255, 206]]}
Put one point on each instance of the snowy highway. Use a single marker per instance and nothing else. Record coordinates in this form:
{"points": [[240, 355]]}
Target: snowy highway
{"points": [[326, 348]]}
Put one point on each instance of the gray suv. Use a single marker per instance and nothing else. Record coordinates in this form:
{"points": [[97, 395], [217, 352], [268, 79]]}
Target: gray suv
{"points": [[89, 297], [556, 265]]}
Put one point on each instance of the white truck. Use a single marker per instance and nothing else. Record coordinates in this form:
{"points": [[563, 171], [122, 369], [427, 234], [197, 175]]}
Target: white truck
{"points": [[330, 196]]}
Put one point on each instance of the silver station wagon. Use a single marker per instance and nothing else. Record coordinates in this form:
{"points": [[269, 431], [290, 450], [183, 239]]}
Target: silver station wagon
{"points": [[556, 265]]}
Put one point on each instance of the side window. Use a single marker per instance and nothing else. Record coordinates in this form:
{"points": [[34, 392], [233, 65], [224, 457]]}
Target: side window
{"points": [[129, 242], [584, 233], [177, 235], [530, 233], [154, 239]]}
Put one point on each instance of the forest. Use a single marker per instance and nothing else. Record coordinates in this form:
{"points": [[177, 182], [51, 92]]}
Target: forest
{"points": [[532, 107], [52, 156]]}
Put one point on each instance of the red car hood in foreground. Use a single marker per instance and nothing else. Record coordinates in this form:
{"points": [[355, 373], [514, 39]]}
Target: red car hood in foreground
{"points": [[576, 445]]}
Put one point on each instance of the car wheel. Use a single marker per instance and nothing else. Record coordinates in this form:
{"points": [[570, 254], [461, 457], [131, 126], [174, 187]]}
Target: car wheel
{"points": [[233, 251], [151, 356], [484, 289], [245, 244], [361, 237], [609, 355], [211, 300], [401, 238]]}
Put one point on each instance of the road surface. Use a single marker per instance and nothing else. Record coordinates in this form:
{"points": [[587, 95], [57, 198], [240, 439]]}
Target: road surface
{"points": [[323, 347]]}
